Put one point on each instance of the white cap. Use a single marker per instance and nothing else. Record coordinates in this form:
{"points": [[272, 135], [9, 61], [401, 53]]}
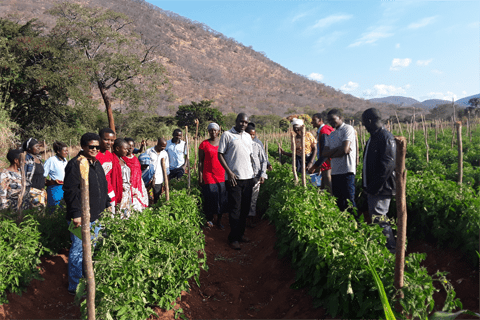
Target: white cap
{"points": [[297, 122]]}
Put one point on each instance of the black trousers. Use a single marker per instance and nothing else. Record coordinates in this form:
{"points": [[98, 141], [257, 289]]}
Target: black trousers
{"points": [[239, 200], [343, 188], [157, 191]]}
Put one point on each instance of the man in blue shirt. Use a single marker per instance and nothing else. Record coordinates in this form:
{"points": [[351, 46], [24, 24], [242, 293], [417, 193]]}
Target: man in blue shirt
{"points": [[177, 150]]}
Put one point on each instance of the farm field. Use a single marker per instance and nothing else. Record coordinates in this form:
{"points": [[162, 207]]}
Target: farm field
{"points": [[258, 281]]}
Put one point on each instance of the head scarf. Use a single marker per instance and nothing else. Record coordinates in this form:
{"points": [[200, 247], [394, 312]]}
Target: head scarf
{"points": [[29, 143], [297, 122], [149, 172], [144, 159], [213, 126]]}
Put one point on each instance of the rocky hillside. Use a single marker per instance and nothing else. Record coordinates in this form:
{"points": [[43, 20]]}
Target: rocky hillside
{"points": [[205, 64]]}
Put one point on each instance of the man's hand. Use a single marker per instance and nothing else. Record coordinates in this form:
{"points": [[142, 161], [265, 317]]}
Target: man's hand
{"points": [[77, 222], [232, 178], [261, 180], [312, 169]]}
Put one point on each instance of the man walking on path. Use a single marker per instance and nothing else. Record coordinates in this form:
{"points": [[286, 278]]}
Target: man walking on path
{"points": [[379, 172], [99, 201], [176, 155], [324, 164], [156, 154], [235, 155], [341, 148]]}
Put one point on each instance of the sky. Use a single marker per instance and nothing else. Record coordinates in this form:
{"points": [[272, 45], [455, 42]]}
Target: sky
{"points": [[369, 49]]}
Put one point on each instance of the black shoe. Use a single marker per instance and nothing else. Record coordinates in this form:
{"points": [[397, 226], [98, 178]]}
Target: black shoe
{"points": [[73, 293], [235, 245]]}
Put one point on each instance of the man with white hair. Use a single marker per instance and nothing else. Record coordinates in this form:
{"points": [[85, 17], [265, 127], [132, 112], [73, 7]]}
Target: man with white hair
{"points": [[310, 146]]}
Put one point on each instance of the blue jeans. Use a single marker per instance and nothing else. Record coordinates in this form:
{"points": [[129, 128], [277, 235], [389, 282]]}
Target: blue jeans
{"points": [[75, 257], [343, 188], [54, 196]]}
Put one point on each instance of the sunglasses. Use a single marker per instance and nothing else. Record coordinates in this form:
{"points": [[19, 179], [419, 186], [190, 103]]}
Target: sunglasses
{"points": [[94, 147]]}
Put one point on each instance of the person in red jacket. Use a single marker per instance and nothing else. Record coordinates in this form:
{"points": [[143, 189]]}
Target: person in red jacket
{"points": [[323, 130]]}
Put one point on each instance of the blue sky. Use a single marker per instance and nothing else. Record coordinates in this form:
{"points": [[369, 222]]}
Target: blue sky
{"points": [[421, 49]]}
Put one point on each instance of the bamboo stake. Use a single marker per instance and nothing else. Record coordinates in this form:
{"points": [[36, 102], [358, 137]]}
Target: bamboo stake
{"points": [[86, 241], [165, 179], [460, 152], [294, 158], [24, 186], [304, 178], [401, 182], [187, 157]]}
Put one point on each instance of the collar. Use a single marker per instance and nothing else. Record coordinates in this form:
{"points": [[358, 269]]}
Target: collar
{"points": [[340, 126]]}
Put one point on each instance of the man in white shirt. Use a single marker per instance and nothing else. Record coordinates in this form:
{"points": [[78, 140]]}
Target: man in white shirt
{"points": [[177, 150], [235, 155], [156, 154], [341, 147]]}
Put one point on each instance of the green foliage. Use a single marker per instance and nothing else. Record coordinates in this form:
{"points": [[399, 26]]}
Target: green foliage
{"points": [[20, 251], [284, 124], [148, 259], [202, 111], [142, 125], [53, 228], [265, 122], [327, 249]]}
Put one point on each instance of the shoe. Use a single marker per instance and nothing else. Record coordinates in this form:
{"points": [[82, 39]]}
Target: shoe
{"points": [[245, 239], [72, 292], [235, 245]]}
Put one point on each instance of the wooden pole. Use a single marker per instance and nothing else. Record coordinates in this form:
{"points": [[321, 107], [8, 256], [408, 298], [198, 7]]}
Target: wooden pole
{"points": [[304, 178], [24, 186], [165, 179], [436, 130], [399, 125], [187, 157], [294, 159], [279, 154], [86, 241], [44, 151], [70, 151], [469, 131], [425, 134], [401, 183], [460, 152], [196, 146]]}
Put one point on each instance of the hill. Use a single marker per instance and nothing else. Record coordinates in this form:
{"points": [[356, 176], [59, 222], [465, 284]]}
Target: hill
{"points": [[398, 100], [205, 64], [464, 101]]}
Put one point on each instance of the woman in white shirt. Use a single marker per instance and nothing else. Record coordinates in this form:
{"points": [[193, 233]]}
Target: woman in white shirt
{"points": [[54, 169]]}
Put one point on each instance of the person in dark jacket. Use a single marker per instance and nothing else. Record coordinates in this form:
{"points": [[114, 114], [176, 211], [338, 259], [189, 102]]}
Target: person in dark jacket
{"points": [[99, 201], [379, 172]]}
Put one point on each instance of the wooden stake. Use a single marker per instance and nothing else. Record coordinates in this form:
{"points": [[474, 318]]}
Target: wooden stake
{"points": [[460, 152], [165, 179], [86, 241], [294, 159], [24, 186], [304, 178], [44, 151], [436, 130], [187, 157], [196, 146], [399, 125], [425, 134], [401, 183], [279, 153]]}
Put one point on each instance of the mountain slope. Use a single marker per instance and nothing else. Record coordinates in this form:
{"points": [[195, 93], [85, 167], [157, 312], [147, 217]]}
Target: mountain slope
{"points": [[205, 64]]}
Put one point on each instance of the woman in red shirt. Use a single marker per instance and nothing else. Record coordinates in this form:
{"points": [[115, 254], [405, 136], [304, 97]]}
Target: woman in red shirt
{"points": [[212, 177]]}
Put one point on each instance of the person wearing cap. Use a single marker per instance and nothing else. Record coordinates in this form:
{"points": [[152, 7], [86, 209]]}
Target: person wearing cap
{"points": [[341, 148], [156, 154], [310, 146], [211, 177], [235, 154], [34, 172], [379, 172]]}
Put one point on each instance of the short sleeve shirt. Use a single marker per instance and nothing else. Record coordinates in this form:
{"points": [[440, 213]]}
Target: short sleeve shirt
{"points": [[213, 172], [347, 163], [176, 154], [237, 150], [55, 168], [156, 162]]}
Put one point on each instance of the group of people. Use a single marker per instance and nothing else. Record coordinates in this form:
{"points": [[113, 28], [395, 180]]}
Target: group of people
{"points": [[232, 168]]}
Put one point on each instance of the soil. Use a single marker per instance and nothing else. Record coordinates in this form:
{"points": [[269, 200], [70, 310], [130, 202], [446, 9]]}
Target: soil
{"points": [[252, 283]]}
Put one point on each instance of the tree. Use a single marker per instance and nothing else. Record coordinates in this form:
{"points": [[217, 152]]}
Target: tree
{"points": [[474, 104], [36, 78], [115, 59], [202, 111]]}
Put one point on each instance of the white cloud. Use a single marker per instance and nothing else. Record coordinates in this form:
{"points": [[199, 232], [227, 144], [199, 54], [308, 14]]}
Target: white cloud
{"points": [[436, 71], [398, 64], [316, 76], [421, 23], [327, 40], [443, 96], [384, 90], [464, 92], [328, 21], [373, 35], [397, 46], [350, 86], [424, 62]]}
